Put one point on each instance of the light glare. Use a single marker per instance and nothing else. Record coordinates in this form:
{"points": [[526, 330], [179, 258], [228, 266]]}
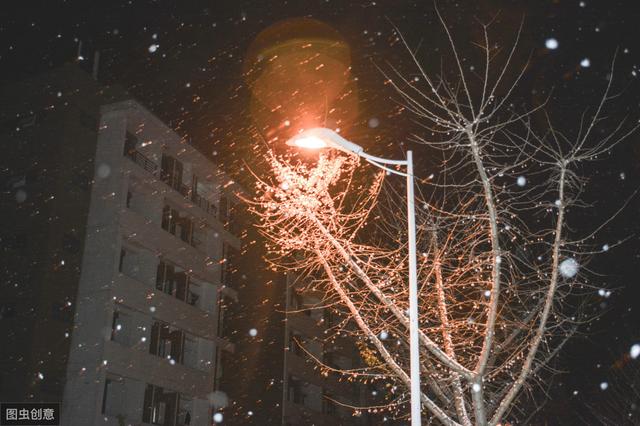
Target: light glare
{"points": [[311, 142]]}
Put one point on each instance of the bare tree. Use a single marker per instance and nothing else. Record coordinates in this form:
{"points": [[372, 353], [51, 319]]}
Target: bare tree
{"points": [[497, 264]]}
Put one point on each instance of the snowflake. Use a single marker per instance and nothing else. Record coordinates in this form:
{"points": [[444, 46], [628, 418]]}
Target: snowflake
{"points": [[569, 267], [551, 43], [635, 351]]}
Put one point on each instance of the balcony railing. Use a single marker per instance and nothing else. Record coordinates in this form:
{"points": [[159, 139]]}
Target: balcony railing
{"points": [[184, 190], [204, 204], [143, 161]]}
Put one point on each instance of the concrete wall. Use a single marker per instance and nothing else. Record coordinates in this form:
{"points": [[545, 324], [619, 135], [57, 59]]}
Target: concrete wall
{"points": [[94, 306]]}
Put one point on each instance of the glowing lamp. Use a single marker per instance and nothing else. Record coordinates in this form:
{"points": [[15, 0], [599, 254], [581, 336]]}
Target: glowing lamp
{"points": [[309, 142], [321, 137]]}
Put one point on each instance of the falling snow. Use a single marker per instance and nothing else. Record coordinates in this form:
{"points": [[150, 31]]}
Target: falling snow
{"points": [[634, 352], [551, 43], [569, 268]]}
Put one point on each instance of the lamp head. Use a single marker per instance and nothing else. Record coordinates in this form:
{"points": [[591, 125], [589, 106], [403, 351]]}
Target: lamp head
{"points": [[309, 142], [321, 137]]}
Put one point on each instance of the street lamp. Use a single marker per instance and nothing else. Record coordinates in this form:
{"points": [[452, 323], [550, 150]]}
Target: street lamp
{"points": [[320, 137]]}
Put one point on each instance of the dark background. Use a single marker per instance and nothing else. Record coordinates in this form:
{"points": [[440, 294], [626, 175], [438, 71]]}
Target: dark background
{"points": [[194, 82]]}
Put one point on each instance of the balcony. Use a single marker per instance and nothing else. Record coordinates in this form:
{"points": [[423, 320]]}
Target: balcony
{"points": [[143, 366], [172, 178], [307, 369], [139, 231], [142, 160], [206, 205]]}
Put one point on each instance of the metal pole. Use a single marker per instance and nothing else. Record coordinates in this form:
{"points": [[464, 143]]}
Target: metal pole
{"points": [[414, 342]]}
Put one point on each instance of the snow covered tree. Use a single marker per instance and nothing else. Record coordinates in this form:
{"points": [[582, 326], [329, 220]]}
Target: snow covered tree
{"points": [[500, 271]]}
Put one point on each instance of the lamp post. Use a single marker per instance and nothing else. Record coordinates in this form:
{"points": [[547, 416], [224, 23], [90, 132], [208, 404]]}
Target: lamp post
{"points": [[326, 138]]}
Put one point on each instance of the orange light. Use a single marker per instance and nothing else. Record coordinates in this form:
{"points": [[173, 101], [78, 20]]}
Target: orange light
{"points": [[311, 142]]}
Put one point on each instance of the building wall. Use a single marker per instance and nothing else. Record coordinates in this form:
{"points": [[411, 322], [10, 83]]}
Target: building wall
{"points": [[310, 341], [118, 284]]}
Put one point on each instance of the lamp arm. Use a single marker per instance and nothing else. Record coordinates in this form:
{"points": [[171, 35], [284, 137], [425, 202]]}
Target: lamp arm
{"points": [[369, 157], [385, 168]]}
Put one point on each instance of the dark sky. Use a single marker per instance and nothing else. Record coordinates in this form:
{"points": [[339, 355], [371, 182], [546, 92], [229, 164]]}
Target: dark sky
{"points": [[193, 80]]}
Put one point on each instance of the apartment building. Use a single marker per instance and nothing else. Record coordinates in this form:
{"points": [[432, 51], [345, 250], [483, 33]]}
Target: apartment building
{"points": [[119, 265], [313, 394], [154, 279]]}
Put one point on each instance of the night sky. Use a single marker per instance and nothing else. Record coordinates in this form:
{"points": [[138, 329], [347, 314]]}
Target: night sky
{"points": [[184, 61]]}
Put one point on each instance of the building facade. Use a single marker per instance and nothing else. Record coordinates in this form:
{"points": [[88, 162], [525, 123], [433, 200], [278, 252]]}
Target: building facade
{"points": [[118, 267], [152, 284], [317, 358]]}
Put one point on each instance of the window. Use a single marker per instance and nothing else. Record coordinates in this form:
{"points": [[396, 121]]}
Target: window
{"points": [[307, 305], [129, 262], [169, 217], [227, 266], [304, 393], [159, 406], [329, 405], [337, 361], [171, 173], [172, 281], [121, 327], [201, 194], [114, 396], [304, 346], [193, 293], [223, 209], [180, 226], [190, 350], [294, 393], [167, 342], [226, 213], [224, 326], [297, 343], [130, 144], [185, 410]]}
